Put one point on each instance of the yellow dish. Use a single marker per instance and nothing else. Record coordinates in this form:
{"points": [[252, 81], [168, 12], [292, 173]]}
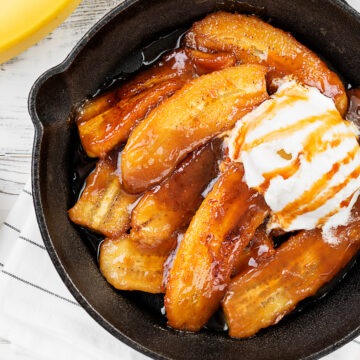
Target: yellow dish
{"points": [[24, 22]]}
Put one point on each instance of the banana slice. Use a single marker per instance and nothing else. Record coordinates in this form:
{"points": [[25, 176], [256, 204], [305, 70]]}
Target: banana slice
{"points": [[126, 267], [104, 206], [170, 206], [261, 297], [108, 119], [198, 112], [206, 62], [103, 132], [94, 107], [253, 41], [221, 228]]}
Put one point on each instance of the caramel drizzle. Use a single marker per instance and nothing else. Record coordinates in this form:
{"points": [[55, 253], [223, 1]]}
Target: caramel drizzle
{"points": [[312, 145], [286, 131], [285, 172], [308, 201], [273, 107], [343, 204]]}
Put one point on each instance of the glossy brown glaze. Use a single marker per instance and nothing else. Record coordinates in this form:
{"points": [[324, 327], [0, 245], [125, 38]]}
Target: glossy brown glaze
{"points": [[260, 248], [103, 132], [173, 65], [93, 107], [168, 208], [253, 41], [221, 228], [262, 296]]}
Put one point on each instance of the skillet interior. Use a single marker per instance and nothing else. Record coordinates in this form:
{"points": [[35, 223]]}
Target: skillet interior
{"points": [[329, 27]]}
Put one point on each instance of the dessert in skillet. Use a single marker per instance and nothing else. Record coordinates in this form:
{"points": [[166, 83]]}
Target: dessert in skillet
{"points": [[206, 158]]}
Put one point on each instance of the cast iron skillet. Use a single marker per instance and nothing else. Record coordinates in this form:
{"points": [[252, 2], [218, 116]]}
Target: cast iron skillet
{"points": [[330, 27]]}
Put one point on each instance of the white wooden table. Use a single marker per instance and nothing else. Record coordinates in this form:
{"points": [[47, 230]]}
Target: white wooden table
{"points": [[16, 79], [16, 130]]}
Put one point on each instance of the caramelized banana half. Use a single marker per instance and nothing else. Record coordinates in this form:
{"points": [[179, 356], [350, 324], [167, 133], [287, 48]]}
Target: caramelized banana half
{"points": [[107, 120], [253, 41], [261, 297], [199, 111], [126, 267], [221, 228], [103, 132], [104, 206], [169, 207]]}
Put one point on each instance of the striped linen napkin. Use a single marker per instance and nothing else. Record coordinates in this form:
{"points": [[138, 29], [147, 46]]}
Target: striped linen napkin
{"points": [[39, 318]]}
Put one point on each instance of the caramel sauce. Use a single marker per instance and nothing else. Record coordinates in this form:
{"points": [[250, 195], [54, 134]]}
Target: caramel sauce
{"points": [[314, 143], [272, 108], [346, 202], [343, 204], [308, 201], [285, 172], [314, 139]]}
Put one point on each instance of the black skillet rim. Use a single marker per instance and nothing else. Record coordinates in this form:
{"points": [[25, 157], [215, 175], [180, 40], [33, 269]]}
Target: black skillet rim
{"points": [[35, 174]]}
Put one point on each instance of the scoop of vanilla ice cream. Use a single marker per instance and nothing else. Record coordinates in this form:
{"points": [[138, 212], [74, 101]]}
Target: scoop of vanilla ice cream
{"points": [[302, 156]]}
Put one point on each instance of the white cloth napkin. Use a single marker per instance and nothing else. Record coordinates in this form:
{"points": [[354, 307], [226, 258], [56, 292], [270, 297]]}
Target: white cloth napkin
{"points": [[39, 318]]}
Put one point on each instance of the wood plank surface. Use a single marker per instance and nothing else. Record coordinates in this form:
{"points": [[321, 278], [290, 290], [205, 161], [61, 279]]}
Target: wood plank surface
{"points": [[16, 78]]}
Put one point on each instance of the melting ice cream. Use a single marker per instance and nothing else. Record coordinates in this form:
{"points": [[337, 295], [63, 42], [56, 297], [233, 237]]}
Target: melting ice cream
{"points": [[299, 152]]}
